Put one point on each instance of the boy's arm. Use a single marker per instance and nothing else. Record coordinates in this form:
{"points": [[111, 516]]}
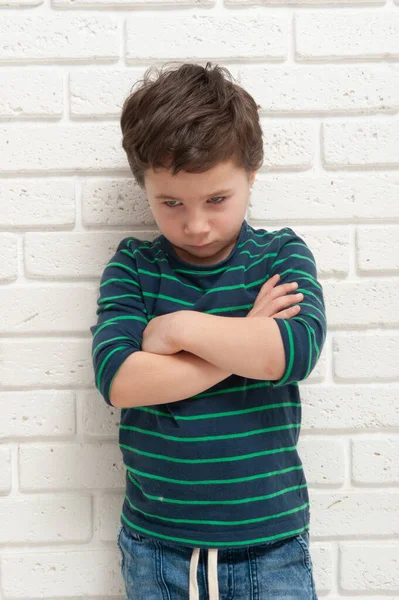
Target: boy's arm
{"points": [[145, 378], [283, 351], [249, 347]]}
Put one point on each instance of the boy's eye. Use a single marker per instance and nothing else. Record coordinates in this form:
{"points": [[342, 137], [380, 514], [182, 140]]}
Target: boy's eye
{"points": [[221, 198]]}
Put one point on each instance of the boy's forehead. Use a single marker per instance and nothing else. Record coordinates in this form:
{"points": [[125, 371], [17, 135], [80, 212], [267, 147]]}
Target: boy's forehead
{"points": [[163, 181]]}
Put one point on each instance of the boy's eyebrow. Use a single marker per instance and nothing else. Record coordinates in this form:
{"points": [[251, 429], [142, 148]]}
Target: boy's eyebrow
{"points": [[166, 197]]}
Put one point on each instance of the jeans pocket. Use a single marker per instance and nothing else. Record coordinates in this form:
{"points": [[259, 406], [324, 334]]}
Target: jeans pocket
{"points": [[303, 541]]}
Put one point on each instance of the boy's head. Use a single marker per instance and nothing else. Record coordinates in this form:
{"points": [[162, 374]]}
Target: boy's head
{"points": [[188, 135]]}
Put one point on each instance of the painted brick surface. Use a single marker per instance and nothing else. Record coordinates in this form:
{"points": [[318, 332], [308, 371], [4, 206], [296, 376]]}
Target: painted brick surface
{"points": [[327, 79]]}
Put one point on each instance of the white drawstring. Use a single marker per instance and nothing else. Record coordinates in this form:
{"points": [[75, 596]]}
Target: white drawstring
{"points": [[212, 574], [194, 595]]}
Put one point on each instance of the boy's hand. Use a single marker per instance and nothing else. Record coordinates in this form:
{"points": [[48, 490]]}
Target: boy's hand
{"points": [[271, 300], [158, 335]]}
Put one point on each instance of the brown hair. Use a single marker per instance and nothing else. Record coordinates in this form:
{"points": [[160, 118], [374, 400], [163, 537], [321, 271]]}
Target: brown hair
{"points": [[190, 118]]}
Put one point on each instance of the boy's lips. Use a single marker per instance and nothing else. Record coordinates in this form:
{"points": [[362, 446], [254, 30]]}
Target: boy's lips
{"points": [[202, 245]]}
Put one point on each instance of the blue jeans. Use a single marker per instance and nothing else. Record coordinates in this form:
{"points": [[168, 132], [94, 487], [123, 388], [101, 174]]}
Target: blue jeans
{"points": [[158, 570]]}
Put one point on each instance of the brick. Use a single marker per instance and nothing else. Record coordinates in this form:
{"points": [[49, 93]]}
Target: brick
{"points": [[71, 573], [115, 202], [65, 255], [369, 142], [58, 37], [9, 254], [109, 511], [302, 89], [346, 407], [316, 198], [129, 3], [322, 559], [31, 93], [37, 413], [378, 248], [98, 418], [15, 4], [323, 460], [369, 567], [60, 148], [100, 92], [220, 36], [34, 203], [47, 363], [350, 34], [52, 520], [5, 470], [375, 459], [377, 308], [288, 144], [70, 466], [353, 513], [365, 356], [41, 309]]}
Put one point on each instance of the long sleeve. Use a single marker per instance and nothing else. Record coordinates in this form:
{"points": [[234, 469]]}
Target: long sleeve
{"points": [[304, 335], [122, 317]]}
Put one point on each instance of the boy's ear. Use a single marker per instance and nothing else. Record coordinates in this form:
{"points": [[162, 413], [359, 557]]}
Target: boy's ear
{"points": [[252, 178]]}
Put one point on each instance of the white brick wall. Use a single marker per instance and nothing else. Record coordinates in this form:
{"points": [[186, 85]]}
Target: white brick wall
{"points": [[327, 77]]}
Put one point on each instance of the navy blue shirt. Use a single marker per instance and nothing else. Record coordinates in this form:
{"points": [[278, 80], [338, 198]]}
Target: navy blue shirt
{"points": [[221, 468]]}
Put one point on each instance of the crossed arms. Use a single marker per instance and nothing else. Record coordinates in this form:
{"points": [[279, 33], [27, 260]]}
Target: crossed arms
{"points": [[208, 349]]}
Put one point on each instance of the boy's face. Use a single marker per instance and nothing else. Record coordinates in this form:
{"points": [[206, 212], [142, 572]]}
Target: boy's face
{"points": [[192, 210]]}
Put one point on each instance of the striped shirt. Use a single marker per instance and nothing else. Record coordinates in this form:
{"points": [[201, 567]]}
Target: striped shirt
{"points": [[220, 468]]}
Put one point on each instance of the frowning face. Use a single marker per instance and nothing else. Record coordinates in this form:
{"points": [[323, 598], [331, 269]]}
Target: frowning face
{"points": [[200, 213]]}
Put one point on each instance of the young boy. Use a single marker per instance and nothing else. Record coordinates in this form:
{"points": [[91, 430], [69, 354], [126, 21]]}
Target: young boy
{"points": [[202, 351]]}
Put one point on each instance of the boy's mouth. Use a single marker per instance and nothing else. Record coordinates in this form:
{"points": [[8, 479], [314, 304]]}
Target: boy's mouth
{"points": [[202, 245]]}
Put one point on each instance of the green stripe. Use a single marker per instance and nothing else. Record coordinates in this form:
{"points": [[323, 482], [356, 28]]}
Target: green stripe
{"points": [[309, 278], [278, 262], [291, 356], [230, 413], [237, 388], [123, 266], [306, 292], [114, 320], [312, 331], [208, 460], [309, 331], [216, 502], [104, 362], [119, 280], [223, 523], [309, 315], [107, 307], [207, 438], [213, 481], [296, 244], [215, 544], [114, 339], [108, 298]]}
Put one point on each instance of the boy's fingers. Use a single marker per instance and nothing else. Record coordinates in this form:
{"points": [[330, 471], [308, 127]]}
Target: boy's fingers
{"points": [[270, 282], [287, 313]]}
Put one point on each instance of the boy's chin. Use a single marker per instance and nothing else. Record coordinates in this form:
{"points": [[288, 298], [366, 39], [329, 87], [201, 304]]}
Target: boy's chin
{"points": [[206, 255]]}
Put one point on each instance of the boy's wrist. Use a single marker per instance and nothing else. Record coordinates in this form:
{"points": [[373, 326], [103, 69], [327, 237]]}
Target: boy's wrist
{"points": [[186, 329], [179, 325]]}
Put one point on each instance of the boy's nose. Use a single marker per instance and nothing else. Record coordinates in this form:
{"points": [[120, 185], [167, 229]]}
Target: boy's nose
{"points": [[197, 231]]}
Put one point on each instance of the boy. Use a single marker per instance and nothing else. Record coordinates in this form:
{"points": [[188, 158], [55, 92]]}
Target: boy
{"points": [[202, 351]]}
